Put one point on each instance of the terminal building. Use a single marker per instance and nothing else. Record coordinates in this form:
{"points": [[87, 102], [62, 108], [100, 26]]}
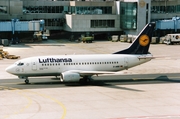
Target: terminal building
{"points": [[90, 16]]}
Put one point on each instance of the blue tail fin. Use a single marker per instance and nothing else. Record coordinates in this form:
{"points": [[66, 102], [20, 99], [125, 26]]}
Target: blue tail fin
{"points": [[141, 43]]}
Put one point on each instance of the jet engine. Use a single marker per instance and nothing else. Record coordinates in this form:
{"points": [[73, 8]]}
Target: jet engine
{"points": [[70, 77]]}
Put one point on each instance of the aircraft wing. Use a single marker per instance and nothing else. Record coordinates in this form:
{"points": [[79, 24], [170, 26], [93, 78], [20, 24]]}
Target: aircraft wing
{"points": [[94, 72], [90, 73]]}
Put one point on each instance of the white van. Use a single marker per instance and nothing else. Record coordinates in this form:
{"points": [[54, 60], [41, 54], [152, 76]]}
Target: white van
{"points": [[172, 38]]}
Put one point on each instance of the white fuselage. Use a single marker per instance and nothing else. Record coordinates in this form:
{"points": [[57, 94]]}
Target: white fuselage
{"points": [[55, 65]]}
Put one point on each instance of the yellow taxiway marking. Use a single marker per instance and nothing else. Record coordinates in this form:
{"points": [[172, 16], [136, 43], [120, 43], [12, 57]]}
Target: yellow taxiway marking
{"points": [[55, 100], [20, 93], [30, 100]]}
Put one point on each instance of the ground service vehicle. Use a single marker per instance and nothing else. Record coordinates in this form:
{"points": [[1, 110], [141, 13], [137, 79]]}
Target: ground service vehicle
{"points": [[172, 38]]}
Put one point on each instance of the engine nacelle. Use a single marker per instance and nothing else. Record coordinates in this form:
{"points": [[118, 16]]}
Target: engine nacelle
{"points": [[70, 77]]}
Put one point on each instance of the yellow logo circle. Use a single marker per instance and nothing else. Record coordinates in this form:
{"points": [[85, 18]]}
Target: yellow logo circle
{"points": [[144, 40], [142, 3]]}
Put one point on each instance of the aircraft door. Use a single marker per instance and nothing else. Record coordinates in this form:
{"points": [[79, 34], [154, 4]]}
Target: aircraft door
{"points": [[34, 65], [126, 63]]}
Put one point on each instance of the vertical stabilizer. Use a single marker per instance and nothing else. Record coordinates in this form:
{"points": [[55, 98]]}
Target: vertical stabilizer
{"points": [[141, 43]]}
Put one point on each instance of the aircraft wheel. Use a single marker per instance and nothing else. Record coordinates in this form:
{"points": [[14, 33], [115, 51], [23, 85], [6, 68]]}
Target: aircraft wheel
{"points": [[27, 81], [169, 42], [84, 81]]}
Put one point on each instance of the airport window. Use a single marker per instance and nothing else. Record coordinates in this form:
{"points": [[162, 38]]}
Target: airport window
{"points": [[128, 17], [42, 9], [178, 8], [165, 9], [102, 23], [89, 10], [54, 22], [3, 9]]}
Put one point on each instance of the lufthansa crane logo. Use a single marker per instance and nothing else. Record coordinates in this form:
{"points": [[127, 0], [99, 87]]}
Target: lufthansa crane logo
{"points": [[144, 40]]}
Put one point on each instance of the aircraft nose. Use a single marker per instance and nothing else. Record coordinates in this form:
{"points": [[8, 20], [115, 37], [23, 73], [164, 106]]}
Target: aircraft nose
{"points": [[9, 69]]}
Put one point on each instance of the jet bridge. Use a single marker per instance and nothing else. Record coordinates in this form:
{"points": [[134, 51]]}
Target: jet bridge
{"points": [[170, 26], [173, 24], [16, 26]]}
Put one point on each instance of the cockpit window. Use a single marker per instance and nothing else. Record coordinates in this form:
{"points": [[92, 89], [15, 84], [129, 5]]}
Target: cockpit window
{"points": [[20, 64]]}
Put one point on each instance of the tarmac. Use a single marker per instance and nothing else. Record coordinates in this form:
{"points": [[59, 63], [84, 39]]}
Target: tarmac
{"points": [[148, 91]]}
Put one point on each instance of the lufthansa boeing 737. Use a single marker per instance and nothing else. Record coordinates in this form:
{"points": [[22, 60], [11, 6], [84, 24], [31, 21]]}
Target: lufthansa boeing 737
{"points": [[73, 68]]}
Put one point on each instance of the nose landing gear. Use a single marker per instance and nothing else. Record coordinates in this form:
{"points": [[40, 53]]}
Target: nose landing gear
{"points": [[26, 79]]}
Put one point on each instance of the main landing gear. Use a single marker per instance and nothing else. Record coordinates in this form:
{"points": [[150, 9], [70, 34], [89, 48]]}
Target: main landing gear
{"points": [[85, 80]]}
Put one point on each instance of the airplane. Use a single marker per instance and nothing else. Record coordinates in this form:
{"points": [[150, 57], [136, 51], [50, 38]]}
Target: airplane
{"points": [[74, 68]]}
